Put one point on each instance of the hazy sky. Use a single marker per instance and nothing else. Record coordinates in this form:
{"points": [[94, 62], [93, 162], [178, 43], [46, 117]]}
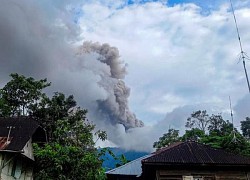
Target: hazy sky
{"points": [[180, 56], [178, 52]]}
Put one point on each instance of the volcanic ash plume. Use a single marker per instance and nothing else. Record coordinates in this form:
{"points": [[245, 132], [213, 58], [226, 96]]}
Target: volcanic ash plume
{"points": [[115, 106]]}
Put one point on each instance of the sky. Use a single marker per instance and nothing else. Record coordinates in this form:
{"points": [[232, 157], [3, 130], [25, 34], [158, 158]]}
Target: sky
{"points": [[132, 63]]}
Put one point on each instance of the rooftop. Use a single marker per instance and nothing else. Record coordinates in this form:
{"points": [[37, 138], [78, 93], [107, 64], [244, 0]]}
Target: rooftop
{"points": [[16, 132], [131, 168], [195, 153]]}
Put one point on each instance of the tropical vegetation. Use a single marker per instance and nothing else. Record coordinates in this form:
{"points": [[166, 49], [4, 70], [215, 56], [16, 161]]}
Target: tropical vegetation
{"points": [[212, 130], [70, 152]]}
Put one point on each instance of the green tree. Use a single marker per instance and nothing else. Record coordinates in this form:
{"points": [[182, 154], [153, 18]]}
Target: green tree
{"points": [[198, 119], [227, 128], [220, 134], [245, 127], [236, 143], [70, 152], [168, 138], [122, 160], [119, 159], [194, 134], [49, 110], [216, 124], [55, 161], [19, 94], [219, 131]]}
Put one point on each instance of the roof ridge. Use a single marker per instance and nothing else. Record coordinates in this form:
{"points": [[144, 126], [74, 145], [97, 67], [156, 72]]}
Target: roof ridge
{"points": [[220, 149], [20, 129], [195, 152], [168, 147]]}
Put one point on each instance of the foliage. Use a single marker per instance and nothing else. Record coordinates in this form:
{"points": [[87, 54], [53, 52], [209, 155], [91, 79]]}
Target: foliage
{"points": [[56, 161], [19, 94], [213, 140], [227, 128], [122, 160], [111, 161], [49, 110], [216, 124], [199, 120], [194, 134], [119, 159], [235, 142], [70, 152], [211, 130], [245, 127], [168, 138]]}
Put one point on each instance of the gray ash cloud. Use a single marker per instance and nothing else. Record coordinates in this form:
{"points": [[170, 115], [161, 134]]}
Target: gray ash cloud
{"points": [[115, 106], [38, 39]]}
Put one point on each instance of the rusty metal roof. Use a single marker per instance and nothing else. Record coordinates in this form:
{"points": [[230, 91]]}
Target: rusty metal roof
{"points": [[4, 142], [195, 153], [16, 132]]}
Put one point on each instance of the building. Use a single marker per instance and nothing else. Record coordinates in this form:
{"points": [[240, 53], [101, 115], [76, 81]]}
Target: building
{"points": [[16, 152], [185, 161], [195, 161], [129, 171]]}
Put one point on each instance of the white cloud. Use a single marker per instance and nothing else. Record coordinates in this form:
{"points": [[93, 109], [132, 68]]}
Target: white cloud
{"points": [[173, 50], [179, 60], [165, 103]]}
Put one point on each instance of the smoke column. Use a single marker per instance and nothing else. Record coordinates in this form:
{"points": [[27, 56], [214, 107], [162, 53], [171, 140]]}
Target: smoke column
{"points": [[115, 106], [40, 40]]}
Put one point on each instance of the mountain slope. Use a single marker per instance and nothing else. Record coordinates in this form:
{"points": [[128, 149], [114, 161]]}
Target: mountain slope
{"points": [[109, 162]]}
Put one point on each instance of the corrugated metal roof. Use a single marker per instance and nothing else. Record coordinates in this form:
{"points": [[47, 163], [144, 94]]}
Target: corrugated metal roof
{"points": [[4, 142], [16, 132], [195, 153], [131, 168]]}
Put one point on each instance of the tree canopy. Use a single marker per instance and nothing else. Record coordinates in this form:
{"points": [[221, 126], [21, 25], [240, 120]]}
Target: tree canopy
{"points": [[212, 130], [19, 94], [70, 152], [198, 119], [245, 127], [168, 138]]}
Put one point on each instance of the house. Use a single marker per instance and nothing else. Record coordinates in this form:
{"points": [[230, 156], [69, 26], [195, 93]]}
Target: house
{"points": [[16, 153], [129, 171], [195, 161], [185, 161]]}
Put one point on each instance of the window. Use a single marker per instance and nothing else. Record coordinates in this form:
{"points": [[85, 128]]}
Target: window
{"points": [[198, 178], [16, 169], [187, 177]]}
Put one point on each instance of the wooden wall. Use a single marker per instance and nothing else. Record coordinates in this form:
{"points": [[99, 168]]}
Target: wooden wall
{"points": [[14, 167], [202, 175]]}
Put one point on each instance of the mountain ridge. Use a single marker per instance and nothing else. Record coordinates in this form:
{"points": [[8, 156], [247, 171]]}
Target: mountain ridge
{"points": [[110, 163]]}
